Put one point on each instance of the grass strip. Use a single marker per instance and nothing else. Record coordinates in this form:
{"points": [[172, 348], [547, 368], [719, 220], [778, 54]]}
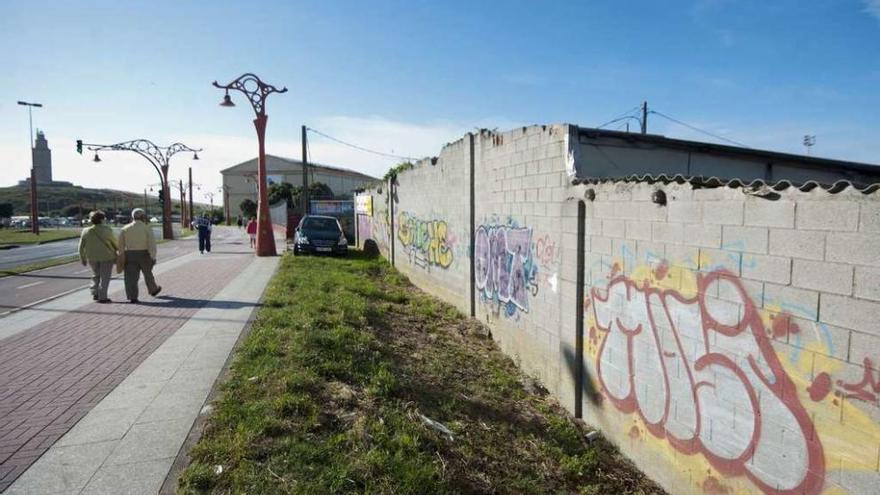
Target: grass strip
{"points": [[19, 237], [39, 265], [333, 389]]}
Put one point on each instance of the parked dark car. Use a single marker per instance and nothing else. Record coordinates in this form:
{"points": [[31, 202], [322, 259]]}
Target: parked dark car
{"points": [[319, 234]]}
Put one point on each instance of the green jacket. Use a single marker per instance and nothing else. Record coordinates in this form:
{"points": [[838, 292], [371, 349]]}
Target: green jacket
{"points": [[97, 243]]}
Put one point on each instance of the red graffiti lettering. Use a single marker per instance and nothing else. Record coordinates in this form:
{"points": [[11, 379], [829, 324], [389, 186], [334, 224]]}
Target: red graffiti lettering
{"points": [[868, 388], [820, 387], [702, 374]]}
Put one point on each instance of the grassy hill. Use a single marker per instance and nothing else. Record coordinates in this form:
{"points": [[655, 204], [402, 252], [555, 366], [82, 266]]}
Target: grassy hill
{"points": [[58, 200]]}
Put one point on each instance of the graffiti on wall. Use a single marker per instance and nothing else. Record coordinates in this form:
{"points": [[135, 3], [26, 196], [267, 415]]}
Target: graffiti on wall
{"points": [[505, 269], [427, 242], [700, 376]]}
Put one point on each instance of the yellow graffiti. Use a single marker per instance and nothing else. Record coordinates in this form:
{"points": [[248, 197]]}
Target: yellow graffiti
{"points": [[848, 433], [426, 239]]}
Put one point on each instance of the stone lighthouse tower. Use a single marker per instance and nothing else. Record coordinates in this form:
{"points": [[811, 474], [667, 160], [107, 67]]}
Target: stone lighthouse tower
{"points": [[42, 157]]}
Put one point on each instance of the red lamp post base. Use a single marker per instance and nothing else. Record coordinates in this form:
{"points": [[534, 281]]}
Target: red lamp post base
{"points": [[265, 235]]}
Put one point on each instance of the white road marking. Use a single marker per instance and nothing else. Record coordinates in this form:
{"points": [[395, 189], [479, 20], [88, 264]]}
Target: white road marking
{"points": [[82, 271], [25, 286]]}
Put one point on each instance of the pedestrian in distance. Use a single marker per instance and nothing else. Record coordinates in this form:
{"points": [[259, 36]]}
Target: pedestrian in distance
{"points": [[137, 254], [203, 225], [239, 222], [97, 248], [252, 231]]}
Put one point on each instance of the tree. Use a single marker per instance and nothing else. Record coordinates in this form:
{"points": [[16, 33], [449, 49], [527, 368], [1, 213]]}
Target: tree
{"points": [[73, 211], [6, 210], [248, 208], [216, 216], [319, 190], [283, 191]]}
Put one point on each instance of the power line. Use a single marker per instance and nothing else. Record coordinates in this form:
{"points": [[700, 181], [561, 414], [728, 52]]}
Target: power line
{"points": [[716, 136], [624, 115], [361, 148]]}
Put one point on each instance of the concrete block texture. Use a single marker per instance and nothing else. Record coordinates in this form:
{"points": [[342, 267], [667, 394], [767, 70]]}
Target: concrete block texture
{"points": [[867, 282], [859, 249], [727, 212], [745, 239], [776, 269], [836, 278], [797, 243], [776, 299], [828, 215], [869, 217], [847, 312], [763, 213]]}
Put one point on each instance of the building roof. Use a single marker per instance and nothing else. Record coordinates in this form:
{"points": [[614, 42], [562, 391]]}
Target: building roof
{"points": [[710, 163], [249, 165]]}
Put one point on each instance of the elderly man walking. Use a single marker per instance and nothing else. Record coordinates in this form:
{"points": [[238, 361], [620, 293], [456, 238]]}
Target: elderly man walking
{"points": [[203, 225], [97, 248], [137, 248]]}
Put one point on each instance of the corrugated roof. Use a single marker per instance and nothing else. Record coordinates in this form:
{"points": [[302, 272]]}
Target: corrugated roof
{"points": [[631, 156], [756, 185]]}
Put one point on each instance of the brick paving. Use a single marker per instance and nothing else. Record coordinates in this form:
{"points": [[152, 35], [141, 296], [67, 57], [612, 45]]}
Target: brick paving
{"points": [[51, 375]]}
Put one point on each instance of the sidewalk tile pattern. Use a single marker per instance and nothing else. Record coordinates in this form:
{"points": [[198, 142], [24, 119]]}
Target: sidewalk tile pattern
{"points": [[53, 374]]}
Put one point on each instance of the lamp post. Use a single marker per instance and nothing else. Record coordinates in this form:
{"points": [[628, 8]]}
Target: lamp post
{"points": [[183, 213], [35, 216], [160, 158], [210, 195], [257, 91]]}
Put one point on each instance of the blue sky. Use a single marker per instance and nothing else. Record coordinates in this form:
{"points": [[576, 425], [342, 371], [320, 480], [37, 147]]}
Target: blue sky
{"points": [[408, 76]]}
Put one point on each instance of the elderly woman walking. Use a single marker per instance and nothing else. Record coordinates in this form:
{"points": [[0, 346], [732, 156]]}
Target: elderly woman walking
{"points": [[137, 253], [97, 248]]}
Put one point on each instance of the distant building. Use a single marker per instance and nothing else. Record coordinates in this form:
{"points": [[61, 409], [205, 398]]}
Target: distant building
{"points": [[42, 159], [241, 179], [42, 163]]}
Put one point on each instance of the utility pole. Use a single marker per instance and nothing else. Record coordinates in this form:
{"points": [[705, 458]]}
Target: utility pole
{"points": [[183, 211], [644, 117], [146, 204], [304, 196], [809, 142], [191, 211]]}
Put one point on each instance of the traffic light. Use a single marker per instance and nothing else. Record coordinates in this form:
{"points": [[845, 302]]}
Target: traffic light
{"points": [[162, 198], [79, 146]]}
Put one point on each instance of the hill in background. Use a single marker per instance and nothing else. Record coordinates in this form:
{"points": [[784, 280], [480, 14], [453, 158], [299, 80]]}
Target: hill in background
{"points": [[66, 200]]}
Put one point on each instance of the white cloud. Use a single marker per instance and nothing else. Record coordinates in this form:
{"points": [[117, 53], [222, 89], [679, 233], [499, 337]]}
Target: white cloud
{"points": [[872, 7], [127, 171]]}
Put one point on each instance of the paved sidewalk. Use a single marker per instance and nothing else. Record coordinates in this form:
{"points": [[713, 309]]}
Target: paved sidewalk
{"points": [[157, 361]]}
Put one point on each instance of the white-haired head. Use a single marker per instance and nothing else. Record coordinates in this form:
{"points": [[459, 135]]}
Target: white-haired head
{"points": [[138, 214]]}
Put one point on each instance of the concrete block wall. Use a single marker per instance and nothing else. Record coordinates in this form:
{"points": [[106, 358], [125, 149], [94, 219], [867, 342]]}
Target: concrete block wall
{"points": [[731, 342], [520, 187], [432, 224]]}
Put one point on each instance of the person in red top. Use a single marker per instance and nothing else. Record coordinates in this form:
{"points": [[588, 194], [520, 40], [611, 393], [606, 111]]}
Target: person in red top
{"points": [[252, 231]]}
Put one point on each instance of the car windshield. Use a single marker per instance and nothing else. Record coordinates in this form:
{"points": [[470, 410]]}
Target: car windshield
{"points": [[320, 224]]}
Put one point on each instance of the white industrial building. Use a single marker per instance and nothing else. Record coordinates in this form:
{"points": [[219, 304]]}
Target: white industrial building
{"points": [[240, 180]]}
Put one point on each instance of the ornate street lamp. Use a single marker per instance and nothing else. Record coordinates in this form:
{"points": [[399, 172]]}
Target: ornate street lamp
{"points": [[35, 210], [257, 91], [160, 158]]}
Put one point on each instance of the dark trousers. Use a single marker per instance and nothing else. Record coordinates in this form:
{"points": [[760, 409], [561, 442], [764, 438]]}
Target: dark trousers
{"points": [[204, 239], [135, 263]]}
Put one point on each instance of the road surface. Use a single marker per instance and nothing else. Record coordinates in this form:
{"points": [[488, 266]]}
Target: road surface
{"points": [[27, 254], [27, 289]]}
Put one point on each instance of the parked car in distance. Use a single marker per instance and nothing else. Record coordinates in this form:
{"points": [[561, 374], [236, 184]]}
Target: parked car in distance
{"points": [[319, 234]]}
